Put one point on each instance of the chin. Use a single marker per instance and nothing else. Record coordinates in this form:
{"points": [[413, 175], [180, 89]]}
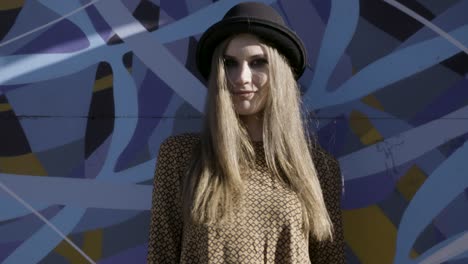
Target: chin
{"points": [[247, 112], [247, 108]]}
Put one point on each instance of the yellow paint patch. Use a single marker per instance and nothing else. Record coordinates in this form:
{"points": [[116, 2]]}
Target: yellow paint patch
{"points": [[103, 83], [92, 246], [26, 164], [409, 183], [413, 254], [370, 234], [372, 136], [5, 107], [69, 253], [11, 4], [106, 82], [372, 101], [363, 128]]}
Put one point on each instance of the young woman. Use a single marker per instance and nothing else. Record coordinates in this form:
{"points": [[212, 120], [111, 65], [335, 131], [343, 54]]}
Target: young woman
{"points": [[251, 187]]}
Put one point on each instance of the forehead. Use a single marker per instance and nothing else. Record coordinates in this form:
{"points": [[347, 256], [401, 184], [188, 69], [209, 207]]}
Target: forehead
{"points": [[244, 45]]}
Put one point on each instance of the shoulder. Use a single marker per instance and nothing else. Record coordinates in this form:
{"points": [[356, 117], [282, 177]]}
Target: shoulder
{"points": [[182, 140], [327, 166], [175, 153], [181, 144], [322, 159]]}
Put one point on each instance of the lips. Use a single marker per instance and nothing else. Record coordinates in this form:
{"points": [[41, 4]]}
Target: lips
{"points": [[244, 95], [244, 92]]}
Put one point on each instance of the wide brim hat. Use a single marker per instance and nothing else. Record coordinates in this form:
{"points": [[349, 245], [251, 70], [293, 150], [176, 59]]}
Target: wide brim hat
{"points": [[257, 19]]}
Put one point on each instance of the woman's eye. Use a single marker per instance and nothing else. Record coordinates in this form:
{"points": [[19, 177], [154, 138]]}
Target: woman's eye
{"points": [[230, 63], [258, 63]]}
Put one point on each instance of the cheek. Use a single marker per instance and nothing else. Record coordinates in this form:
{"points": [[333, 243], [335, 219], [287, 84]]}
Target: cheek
{"points": [[262, 96], [261, 80]]}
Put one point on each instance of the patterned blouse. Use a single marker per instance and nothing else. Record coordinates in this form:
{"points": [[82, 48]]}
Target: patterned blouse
{"points": [[267, 229]]}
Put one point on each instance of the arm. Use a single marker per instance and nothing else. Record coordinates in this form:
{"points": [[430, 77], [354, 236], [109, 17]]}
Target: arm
{"points": [[328, 252], [166, 217]]}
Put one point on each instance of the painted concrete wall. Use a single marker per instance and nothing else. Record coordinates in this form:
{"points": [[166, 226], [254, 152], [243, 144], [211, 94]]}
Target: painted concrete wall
{"points": [[86, 100]]}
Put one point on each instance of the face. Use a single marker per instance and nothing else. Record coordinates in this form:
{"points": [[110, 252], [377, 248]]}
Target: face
{"points": [[246, 67]]}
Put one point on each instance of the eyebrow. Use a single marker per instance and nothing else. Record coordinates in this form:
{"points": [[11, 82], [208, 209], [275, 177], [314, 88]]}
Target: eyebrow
{"points": [[256, 56]]}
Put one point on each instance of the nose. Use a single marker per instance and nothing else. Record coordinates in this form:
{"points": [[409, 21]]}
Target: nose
{"points": [[243, 74]]}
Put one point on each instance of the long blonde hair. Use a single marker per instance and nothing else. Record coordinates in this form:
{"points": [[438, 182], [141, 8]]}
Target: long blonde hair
{"points": [[214, 185]]}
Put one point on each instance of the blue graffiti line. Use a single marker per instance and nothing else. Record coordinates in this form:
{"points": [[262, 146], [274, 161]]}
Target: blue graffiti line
{"points": [[388, 126], [125, 99], [42, 67], [439, 189], [19, 69], [45, 239], [122, 134], [393, 67], [69, 191], [10, 208], [451, 18], [49, 225], [340, 29], [417, 142], [144, 171], [139, 173], [428, 24], [125, 90], [62, 17], [80, 19], [94, 218], [152, 53], [23, 227], [126, 103], [451, 248]]}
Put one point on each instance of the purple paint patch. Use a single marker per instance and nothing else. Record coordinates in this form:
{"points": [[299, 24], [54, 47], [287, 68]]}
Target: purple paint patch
{"points": [[78, 172], [306, 22], [454, 98], [21, 228], [95, 161], [323, 8], [448, 148], [7, 88], [438, 235], [7, 248], [153, 98], [133, 255], [100, 25], [332, 136], [176, 9], [367, 191], [453, 218], [62, 37]]}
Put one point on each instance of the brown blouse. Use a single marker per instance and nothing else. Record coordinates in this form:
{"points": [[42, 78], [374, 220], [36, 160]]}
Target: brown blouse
{"points": [[266, 230]]}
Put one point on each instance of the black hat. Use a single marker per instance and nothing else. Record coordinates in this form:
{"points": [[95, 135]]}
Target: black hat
{"points": [[260, 20]]}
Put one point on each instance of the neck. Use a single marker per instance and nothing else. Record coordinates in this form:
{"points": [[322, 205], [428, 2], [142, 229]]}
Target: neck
{"points": [[254, 126]]}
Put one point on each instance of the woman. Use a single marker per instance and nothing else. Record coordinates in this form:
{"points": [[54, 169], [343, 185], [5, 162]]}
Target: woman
{"points": [[251, 188]]}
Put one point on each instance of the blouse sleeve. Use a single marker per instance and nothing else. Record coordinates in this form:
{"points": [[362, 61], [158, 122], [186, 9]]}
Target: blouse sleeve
{"points": [[331, 182], [166, 215]]}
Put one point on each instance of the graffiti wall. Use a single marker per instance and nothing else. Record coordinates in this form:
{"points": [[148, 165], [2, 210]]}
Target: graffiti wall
{"points": [[89, 89]]}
